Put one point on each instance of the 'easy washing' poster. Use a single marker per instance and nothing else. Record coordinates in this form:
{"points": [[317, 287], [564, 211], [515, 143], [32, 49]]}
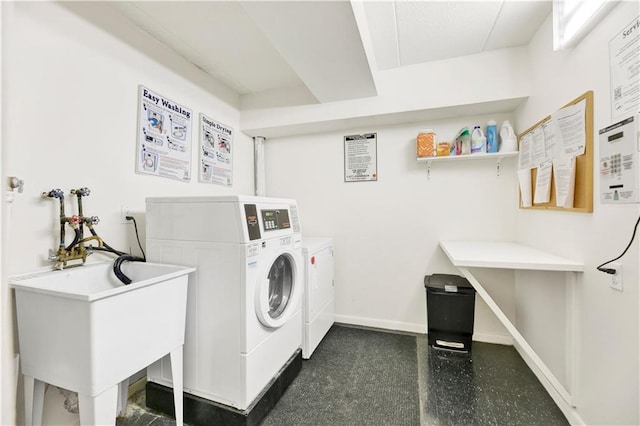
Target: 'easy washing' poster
{"points": [[164, 137]]}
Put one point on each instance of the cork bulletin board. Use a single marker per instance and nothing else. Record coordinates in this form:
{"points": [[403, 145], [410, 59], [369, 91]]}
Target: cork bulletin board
{"points": [[583, 189]]}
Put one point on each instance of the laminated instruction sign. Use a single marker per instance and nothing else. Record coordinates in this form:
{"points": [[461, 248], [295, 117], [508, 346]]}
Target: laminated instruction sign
{"points": [[216, 140], [164, 137], [360, 158], [624, 63]]}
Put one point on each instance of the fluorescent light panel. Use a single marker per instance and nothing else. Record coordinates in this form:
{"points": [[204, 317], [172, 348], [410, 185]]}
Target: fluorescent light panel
{"points": [[573, 19]]}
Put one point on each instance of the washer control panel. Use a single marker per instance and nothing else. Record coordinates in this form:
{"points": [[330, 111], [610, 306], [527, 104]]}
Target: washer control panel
{"points": [[251, 217], [275, 219]]}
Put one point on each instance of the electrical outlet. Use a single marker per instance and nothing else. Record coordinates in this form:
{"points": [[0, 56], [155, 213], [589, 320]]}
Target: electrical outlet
{"points": [[124, 212], [616, 279]]}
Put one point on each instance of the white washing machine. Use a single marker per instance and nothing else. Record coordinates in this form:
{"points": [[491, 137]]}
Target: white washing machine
{"points": [[317, 311], [244, 318]]}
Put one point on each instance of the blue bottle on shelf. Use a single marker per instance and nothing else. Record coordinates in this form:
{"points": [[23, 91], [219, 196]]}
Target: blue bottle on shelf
{"points": [[492, 136]]}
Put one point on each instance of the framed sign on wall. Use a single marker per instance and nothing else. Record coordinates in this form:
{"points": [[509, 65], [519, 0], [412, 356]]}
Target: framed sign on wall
{"points": [[360, 158]]}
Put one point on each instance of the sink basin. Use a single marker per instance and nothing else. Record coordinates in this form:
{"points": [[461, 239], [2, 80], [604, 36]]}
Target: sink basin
{"points": [[83, 330]]}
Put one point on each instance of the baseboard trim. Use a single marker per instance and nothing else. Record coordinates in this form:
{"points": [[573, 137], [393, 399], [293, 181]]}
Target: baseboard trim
{"points": [[497, 339], [382, 324], [415, 328]]}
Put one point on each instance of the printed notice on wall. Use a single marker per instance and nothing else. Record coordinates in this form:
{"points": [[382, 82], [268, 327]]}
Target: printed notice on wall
{"points": [[216, 141], [164, 137], [624, 62], [564, 172], [543, 183], [360, 158]]}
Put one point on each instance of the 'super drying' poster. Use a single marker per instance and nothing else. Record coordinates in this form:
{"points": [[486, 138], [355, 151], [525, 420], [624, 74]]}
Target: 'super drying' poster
{"points": [[216, 142], [164, 137]]}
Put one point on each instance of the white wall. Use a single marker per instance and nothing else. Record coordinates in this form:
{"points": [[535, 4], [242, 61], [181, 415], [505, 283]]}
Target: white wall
{"points": [[61, 74], [4, 366], [608, 375], [70, 120], [421, 91], [386, 233]]}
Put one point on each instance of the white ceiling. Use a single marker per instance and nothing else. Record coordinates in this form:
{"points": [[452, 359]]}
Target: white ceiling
{"points": [[328, 50], [407, 33]]}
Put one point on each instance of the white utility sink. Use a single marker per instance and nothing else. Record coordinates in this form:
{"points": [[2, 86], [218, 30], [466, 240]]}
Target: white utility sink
{"points": [[83, 330]]}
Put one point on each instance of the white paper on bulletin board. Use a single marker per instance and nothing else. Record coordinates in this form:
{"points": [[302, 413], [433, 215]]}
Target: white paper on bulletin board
{"points": [[164, 137], [360, 158], [216, 146], [624, 64]]}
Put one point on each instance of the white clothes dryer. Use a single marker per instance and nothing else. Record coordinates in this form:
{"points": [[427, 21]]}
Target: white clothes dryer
{"points": [[317, 308], [244, 318]]}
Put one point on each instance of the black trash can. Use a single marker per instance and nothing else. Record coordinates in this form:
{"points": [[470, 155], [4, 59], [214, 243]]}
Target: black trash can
{"points": [[450, 311]]}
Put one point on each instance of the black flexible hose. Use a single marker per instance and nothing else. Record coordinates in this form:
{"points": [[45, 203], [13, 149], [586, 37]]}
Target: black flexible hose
{"points": [[117, 267], [75, 239], [81, 214], [122, 256], [119, 253], [105, 246]]}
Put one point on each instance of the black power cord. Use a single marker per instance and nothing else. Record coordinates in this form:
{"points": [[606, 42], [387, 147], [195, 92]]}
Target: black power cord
{"points": [[135, 225], [612, 271], [123, 257]]}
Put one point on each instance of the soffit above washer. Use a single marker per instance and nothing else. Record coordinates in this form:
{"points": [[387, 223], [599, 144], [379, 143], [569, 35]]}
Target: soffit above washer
{"points": [[264, 46], [219, 38], [285, 53]]}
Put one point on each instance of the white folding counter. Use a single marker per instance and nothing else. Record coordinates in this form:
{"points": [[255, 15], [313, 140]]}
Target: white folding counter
{"points": [[512, 255]]}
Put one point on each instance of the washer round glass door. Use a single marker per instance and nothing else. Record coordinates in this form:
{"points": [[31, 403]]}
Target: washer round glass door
{"points": [[275, 292]]}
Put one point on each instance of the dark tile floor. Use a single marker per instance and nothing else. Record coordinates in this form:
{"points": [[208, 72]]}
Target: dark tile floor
{"points": [[490, 386]]}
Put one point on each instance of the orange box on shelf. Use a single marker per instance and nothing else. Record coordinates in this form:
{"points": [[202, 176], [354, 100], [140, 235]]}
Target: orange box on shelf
{"points": [[426, 143], [443, 149]]}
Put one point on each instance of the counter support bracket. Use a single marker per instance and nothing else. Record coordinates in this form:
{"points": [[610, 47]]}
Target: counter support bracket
{"points": [[520, 340]]}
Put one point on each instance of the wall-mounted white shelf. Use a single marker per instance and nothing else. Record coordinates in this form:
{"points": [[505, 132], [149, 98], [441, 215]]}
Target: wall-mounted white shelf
{"points": [[498, 156]]}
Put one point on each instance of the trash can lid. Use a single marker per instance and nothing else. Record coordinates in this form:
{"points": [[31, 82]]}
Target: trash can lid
{"points": [[448, 282]]}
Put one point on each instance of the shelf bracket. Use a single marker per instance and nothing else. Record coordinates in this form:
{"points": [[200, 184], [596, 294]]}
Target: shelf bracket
{"points": [[498, 166], [428, 170]]}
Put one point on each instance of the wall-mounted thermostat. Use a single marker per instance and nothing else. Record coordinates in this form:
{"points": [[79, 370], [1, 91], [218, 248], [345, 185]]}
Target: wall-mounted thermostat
{"points": [[619, 152]]}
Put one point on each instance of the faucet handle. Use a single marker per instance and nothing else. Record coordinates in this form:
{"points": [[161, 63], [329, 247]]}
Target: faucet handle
{"points": [[52, 255], [54, 193], [94, 220], [82, 192]]}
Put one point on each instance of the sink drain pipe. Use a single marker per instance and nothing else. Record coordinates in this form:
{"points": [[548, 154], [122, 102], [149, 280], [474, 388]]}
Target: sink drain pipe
{"points": [[258, 166]]}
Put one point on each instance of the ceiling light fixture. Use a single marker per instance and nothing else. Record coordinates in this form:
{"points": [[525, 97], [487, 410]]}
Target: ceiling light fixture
{"points": [[573, 19]]}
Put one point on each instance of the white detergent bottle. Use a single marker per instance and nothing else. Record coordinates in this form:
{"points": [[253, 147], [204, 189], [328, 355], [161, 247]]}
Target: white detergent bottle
{"points": [[478, 141], [508, 139]]}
